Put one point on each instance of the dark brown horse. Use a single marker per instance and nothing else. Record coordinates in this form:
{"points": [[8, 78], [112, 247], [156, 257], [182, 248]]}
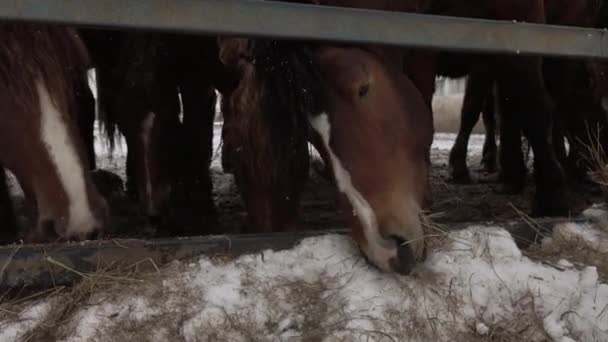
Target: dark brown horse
{"points": [[41, 70], [573, 85], [578, 87], [523, 99], [140, 79], [371, 121]]}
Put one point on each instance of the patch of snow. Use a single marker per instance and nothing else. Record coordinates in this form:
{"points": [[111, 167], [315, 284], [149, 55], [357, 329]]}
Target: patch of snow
{"points": [[89, 321], [482, 329], [590, 237], [445, 141], [27, 320], [477, 281], [598, 215]]}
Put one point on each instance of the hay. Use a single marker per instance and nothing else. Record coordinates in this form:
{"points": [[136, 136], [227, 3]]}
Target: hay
{"points": [[66, 301]]}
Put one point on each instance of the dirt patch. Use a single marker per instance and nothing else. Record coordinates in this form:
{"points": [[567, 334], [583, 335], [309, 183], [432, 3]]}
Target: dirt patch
{"points": [[480, 201]]}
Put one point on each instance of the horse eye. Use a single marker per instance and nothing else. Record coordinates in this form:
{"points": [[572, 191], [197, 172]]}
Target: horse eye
{"points": [[364, 90]]}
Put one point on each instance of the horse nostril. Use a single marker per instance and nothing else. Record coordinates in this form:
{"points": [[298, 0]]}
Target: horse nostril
{"points": [[405, 260]]}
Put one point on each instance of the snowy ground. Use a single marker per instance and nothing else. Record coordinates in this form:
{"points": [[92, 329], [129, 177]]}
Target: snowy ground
{"points": [[476, 285]]}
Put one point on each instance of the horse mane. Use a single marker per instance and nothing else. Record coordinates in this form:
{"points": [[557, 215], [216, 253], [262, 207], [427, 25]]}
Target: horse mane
{"points": [[52, 55], [291, 74], [278, 93]]}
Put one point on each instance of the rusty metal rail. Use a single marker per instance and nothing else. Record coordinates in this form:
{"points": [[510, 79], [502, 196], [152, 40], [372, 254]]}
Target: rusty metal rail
{"points": [[297, 21], [37, 266]]}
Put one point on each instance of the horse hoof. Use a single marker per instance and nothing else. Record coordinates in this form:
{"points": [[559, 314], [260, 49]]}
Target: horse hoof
{"points": [[459, 176], [546, 207], [108, 184], [510, 189], [489, 167]]}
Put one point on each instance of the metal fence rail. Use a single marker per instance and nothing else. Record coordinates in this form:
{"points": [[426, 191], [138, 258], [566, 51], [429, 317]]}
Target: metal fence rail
{"points": [[36, 266], [295, 21]]}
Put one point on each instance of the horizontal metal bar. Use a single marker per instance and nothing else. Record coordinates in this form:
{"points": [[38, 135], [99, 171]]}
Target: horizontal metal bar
{"points": [[296, 21], [29, 266]]}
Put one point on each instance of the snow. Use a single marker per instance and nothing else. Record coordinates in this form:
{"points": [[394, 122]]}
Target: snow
{"points": [[445, 141], [27, 320], [476, 282], [90, 320], [482, 329]]}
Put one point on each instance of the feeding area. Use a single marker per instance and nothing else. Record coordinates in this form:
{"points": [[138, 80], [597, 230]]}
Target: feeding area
{"points": [[476, 285], [209, 171]]}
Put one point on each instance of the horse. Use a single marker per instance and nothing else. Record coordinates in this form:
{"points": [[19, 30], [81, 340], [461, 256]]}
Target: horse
{"points": [[523, 99], [7, 212], [569, 83], [158, 91], [40, 70], [578, 86], [372, 123]]}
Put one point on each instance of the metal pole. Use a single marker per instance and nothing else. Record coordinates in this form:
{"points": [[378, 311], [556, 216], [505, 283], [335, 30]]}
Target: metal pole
{"points": [[296, 21]]}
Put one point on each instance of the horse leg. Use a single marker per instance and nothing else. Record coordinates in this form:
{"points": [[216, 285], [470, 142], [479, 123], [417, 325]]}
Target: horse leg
{"points": [[227, 166], [194, 180], [475, 93], [86, 118], [559, 135], [227, 148], [512, 165], [488, 159], [525, 100], [131, 169], [8, 232]]}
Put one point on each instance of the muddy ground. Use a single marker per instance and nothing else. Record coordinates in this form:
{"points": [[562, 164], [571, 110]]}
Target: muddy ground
{"points": [[480, 201]]}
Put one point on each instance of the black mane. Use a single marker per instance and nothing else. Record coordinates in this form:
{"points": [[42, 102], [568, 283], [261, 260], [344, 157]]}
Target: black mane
{"points": [[290, 75]]}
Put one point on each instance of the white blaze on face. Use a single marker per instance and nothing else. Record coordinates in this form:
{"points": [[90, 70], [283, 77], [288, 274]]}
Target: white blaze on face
{"points": [[146, 139], [379, 250], [64, 157]]}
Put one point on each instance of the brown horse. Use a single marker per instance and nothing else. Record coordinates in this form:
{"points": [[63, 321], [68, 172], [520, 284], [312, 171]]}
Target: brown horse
{"points": [[254, 138], [479, 100], [139, 98], [373, 125], [570, 83], [578, 87], [140, 79], [523, 99], [40, 67]]}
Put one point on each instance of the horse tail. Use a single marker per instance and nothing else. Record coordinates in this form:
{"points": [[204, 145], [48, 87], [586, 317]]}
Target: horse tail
{"points": [[106, 50]]}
